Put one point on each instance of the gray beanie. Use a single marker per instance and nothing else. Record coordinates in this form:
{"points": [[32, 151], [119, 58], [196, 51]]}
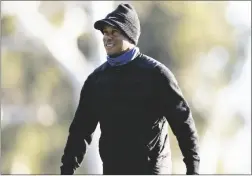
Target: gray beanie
{"points": [[125, 18]]}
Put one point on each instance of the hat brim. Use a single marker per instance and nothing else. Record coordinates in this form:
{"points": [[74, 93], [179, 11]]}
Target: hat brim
{"points": [[99, 25]]}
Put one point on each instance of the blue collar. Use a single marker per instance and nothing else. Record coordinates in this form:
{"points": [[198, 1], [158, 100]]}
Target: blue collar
{"points": [[124, 58]]}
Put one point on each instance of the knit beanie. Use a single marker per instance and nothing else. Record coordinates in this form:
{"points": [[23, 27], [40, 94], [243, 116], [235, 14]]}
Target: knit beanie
{"points": [[124, 18]]}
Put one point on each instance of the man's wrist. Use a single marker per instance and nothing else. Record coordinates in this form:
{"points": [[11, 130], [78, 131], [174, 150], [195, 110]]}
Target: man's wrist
{"points": [[192, 173], [193, 168]]}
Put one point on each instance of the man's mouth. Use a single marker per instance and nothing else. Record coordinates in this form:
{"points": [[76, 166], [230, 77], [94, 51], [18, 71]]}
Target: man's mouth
{"points": [[109, 45]]}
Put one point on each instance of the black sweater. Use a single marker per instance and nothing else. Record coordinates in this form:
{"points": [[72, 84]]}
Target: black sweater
{"points": [[133, 104]]}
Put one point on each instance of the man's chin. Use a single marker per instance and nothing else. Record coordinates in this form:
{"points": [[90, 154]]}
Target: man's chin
{"points": [[111, 53], [114, 54]]}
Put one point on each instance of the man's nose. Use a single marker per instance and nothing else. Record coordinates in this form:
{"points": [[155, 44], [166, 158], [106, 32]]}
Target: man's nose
{"points": [[108, 36]]}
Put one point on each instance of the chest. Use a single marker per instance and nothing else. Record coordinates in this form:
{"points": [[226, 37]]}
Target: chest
{"points": [[125, 86], [125, 92], [127, 97]]}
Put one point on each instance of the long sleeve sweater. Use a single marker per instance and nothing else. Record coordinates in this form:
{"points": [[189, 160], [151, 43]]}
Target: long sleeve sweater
{"points": [[133, 103]]}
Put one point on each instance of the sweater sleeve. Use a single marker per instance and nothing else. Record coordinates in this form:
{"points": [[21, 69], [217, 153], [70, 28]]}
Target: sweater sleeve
{"points": [[178, 114], [80, 132]]}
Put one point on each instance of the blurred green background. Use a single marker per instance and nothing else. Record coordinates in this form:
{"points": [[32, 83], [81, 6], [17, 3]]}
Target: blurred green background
{"points": [[49, 47]]}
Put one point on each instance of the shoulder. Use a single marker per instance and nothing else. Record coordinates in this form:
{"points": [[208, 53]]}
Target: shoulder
{"points": [[147, 62], [92, 77], [165, 73], [98, 70], [161, 70]]}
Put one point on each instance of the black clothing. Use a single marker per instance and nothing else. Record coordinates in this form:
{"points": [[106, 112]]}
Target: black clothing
{"points": [[133, 104]]}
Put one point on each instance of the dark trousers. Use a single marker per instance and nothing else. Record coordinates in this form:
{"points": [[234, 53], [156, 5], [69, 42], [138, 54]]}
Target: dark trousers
{"points": [[127, 169]]}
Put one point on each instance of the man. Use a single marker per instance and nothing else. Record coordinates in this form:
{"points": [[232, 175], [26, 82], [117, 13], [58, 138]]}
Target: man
{"points": [[133, 97]]}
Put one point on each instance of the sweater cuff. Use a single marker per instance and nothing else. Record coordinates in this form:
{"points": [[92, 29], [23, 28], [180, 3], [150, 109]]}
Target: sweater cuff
{"points": [[193, 168], [64, 170]]}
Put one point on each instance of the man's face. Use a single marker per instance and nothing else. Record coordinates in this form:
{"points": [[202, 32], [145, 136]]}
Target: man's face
{"points": [[114, 41]]}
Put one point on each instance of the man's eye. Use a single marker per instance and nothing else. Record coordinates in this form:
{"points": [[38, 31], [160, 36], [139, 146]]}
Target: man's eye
{"points": [[114, 31]]}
